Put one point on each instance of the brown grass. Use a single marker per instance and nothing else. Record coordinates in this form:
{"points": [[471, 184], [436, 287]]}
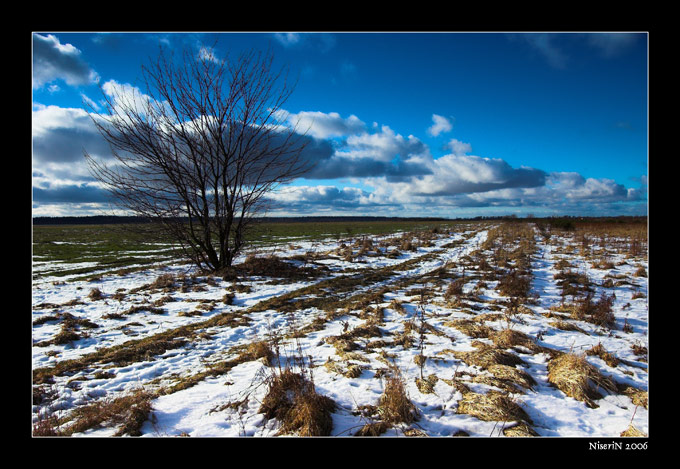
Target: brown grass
{"points": [[128, 412], [486, 355], [573, 283], [512, 375], [426, 385], [508, 338], [47, 425], [395, 406], [638, 396], [566, 326], [95, 294], [519, 431], [514, 284], [597, 312], [577, 378], [293, 401], [609, 358], [493, 406], [258, 350], [471, 328], [455, 289], [633, 432], [640, 351], [373, 429], [273, 266], [640, 272]]}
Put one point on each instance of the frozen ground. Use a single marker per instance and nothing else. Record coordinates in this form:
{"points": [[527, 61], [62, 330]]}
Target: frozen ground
{"points": [[192, 339]]}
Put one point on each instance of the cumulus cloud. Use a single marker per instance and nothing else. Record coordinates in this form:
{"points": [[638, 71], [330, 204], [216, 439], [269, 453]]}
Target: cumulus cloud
{"points": [[375, 154], [126, 96], [323, 125], [383, 145], [440, 125], [573, 186], [61, 134], [457, 174], [71, 193], [458, 147], [53, 60], [398, 173], [310, 199], [345, 147]]}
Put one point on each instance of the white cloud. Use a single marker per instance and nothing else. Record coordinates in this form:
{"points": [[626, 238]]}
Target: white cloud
{"points": [[310, 199], [383, 146], [91, 104], [59, 137], [457, 174], [53, 60], [441, 124], [207, 54], [458, 147], [321, 42], [47, 118], [398, 174], [575, 187], [288, 39], [322, 125]]}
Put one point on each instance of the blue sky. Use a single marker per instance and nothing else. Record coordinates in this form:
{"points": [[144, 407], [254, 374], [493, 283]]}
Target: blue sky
{"points": [[413, 124]]}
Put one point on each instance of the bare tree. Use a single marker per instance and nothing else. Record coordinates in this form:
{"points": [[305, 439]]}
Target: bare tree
{"points": [[200, 149]]}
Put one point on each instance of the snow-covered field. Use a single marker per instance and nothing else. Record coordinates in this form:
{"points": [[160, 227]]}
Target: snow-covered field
{"points": [[177, 345]]}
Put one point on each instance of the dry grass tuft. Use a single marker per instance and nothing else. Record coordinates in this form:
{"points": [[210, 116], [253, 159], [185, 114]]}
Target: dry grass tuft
{"points": [[487, 355], [508, 338], [455, 289], [566, 326], [273, 266], [470, 327], [46, 426], [493, 406], [292, 400], [633, 432], [426, 385], [128, 412], [640, 350], [638, 396], [600, 351], [512, 375], [514, 284], [164, 282], [349, 371], [519, 431], [258, 350], [373, 429], [577, 378], [597, 312], [95, 294], [394, 405]]}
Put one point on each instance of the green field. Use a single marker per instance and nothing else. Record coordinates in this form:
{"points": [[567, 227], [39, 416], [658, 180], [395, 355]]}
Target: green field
{"points": [[81, 251]]}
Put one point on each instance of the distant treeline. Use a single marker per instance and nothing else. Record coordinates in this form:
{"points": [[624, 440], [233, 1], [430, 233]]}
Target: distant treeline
{"points": [[565, 221]]}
